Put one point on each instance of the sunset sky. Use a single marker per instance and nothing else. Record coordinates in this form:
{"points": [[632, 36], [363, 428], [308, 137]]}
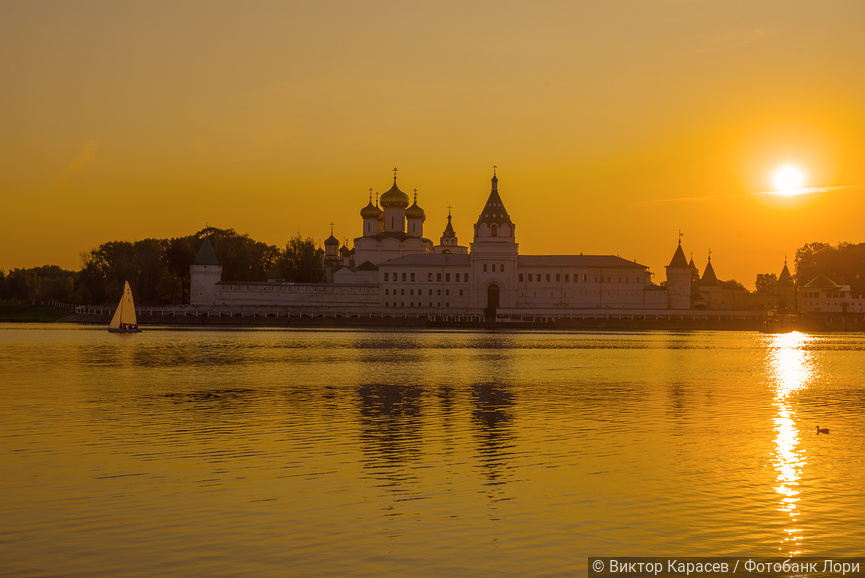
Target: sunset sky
{"points": [[613, 123]]}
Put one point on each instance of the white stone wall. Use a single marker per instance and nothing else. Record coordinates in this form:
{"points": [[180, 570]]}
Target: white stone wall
{"points": [[297, 294], [583, 288]]}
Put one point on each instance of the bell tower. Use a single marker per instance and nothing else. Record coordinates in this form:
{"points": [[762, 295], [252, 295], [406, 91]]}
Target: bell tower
{"points": [[494, 253]]}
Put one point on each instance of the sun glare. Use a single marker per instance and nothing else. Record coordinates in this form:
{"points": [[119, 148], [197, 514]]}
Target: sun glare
{"points": [[788, 180]]}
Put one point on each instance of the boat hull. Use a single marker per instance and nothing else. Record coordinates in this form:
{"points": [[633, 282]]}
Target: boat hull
{"points": [[118, 330]]}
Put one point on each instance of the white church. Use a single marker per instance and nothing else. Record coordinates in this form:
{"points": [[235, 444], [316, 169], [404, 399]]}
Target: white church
{"points": [[394, 269]]}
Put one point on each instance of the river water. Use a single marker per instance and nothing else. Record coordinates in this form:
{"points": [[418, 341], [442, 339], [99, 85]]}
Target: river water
{"points": [[325, 452]]}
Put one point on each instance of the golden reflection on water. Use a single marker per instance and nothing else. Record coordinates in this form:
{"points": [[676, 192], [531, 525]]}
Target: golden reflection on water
{"points": [[792, 371]]}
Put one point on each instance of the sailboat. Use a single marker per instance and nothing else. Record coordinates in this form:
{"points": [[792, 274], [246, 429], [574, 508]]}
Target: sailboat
{"points": [[124, 320]]}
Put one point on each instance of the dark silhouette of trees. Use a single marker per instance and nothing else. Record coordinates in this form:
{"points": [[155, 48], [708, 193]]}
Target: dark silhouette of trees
{"points": [[180, 255], [242, 258], [47, 283], [733, 284], [299, 262], [765, 283]]}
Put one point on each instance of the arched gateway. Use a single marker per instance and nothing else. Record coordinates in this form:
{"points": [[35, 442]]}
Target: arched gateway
{"points": [[492, 300]]}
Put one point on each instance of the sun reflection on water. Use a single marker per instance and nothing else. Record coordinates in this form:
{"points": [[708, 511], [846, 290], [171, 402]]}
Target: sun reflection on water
{"points": [[792, 371]]}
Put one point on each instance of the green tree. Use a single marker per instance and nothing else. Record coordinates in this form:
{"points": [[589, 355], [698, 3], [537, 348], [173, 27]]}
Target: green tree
{"points": [[47, 283], [765, 283], [242, 258], [299, 261]]}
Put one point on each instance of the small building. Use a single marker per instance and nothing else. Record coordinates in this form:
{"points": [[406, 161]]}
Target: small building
{"points": [[822, 295]]}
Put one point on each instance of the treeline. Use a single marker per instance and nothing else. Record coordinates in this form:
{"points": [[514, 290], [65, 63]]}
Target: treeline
{"points": [[158, 269]]}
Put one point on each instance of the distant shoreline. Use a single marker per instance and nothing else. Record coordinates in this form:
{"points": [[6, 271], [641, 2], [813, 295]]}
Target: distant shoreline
{"points": [[720, 323], [660, 320]]}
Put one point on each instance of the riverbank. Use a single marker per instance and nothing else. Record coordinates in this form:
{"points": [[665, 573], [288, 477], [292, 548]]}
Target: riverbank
{"points": [[606, 322], [18, 313]]}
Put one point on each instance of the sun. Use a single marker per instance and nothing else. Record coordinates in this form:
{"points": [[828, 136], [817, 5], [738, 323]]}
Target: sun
{"points": [[788, 180]]}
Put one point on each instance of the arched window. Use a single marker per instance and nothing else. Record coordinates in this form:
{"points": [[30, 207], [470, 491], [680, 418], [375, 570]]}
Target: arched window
{"points": [[494, 231]]}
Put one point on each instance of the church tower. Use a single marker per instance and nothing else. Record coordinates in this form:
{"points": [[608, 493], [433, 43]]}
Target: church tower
{"points": [[371, 216], [394, 203], [785, 289], [331, 250], [494, 255], [204, 273], [679, 280], [448, 243], [415, 217]]}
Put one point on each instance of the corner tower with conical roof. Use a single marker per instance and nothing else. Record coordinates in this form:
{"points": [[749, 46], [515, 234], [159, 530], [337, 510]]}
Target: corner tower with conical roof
{"points": [[204, 273], [785, 289], [679, 280], [494, 255]]}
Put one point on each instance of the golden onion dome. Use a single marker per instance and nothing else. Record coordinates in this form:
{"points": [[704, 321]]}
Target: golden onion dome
{"points": [[370, 211], [415, 212], [394, 198]]}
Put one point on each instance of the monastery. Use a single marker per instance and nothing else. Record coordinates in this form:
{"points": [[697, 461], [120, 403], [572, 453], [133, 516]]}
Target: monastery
{"points": [[394, 269]]}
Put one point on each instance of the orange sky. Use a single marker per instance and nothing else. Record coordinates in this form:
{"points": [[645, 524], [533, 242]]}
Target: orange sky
{"points": [[614, 124]]}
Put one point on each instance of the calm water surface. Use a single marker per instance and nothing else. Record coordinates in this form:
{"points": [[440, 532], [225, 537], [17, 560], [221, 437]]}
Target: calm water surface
{"points": [[315, 452]]}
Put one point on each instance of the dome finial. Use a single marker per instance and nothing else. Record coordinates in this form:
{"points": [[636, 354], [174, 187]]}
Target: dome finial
{"points": [[449, 212], [710, 254], [415, 196], [331, 229], [370, 195], [680, 236], [394, 175]]}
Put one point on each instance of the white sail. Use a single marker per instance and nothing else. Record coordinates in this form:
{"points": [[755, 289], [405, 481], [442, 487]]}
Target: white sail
{"points": [[125, 312]]}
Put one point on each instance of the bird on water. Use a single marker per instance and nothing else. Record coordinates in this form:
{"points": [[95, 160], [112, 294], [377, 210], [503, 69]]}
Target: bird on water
{"points": [[823, 431]]}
